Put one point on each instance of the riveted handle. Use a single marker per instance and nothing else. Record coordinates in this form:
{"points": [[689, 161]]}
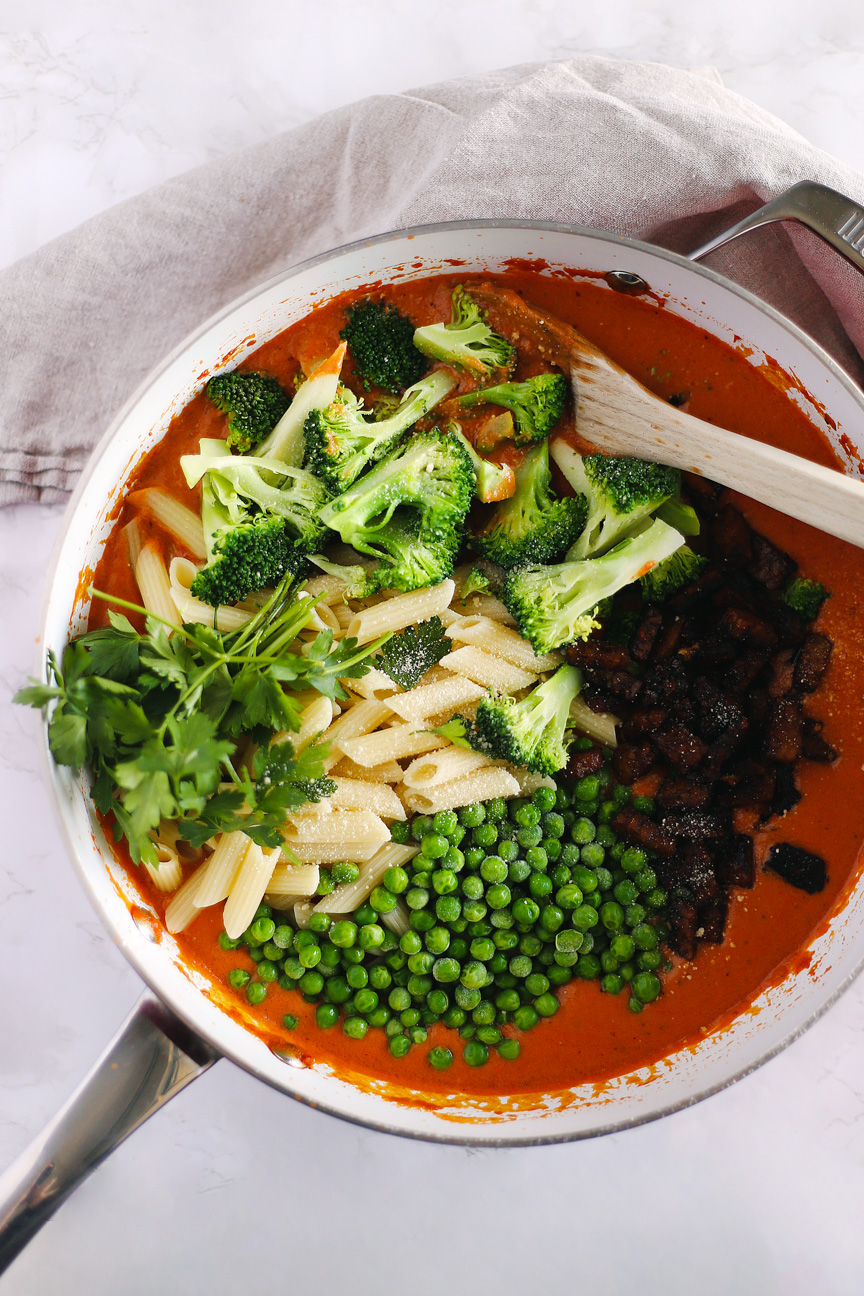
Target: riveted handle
{"points": [[153, 1056], [835, 218]]}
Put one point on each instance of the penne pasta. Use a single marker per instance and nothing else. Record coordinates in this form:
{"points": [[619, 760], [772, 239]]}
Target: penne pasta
{"points": [[183, 906], [479, 786], [132, 532], [219, 871], [394, 743], [314, 719], [599, 725], [400, 611], [442, 767], [488, 606], [483, 668], [374, 685], [359, 719], [326, 589], [248, 887], [154, 585], [181, 523], [397, 919], [346, 898], [167, 874], [529, 781], [355, 794], [293, 880], [445, 695], [352, 825], [330, 852], [501, 641], [388, 772], [302, 913]]}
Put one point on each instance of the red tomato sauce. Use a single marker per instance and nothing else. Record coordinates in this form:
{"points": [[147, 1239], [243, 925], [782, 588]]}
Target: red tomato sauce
{"points": [[594, 1036]]}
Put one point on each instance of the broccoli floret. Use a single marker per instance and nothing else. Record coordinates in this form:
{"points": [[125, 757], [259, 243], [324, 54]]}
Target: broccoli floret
{"points": [[253, 556], [253, 402], [663, 580], [494, 481], [243, 499], [534, 526], [359, 578], [529, 732], [381, 340], [467, 341], [621, 494], [408, 511], [343, 440], [679, 515], [480, 578], [806, 597], [537, 403], [555, 605]]}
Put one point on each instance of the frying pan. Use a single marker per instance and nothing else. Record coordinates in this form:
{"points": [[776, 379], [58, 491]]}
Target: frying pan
{"points": [[179, 1028]]}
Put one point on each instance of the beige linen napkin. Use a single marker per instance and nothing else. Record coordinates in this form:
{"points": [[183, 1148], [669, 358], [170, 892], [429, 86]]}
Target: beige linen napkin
{"points": [[657, 153]]}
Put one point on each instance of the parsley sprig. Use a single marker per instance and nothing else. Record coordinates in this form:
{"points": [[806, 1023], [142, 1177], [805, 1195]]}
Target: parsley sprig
{"points": [[160, 718]]}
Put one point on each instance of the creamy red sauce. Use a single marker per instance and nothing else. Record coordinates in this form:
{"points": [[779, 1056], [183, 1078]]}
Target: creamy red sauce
{"points": [[594, 1036]]}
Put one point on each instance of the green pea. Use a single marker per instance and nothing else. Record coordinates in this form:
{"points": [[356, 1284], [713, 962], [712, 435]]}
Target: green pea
{"points": [[399, 1045], [646, 986], [537, 984], [326, 1015], [626, 892], [357, 977], [568, 897], [370, 937], [382, 900], [399, 999], [611, 915], [509, 1049], [475, 1053], [466, 998], [473, 975], [396, 880], [238, 978], [474, 911], [530, 945], [655, 899], [419, 986], [454, 860], [311, 983], [526, 911], [289, 1021], [588, 967], [474, 857], [493, 869], [446, 970], [380, 978], [649, 960], [230, 942], [540, 885], [486, 835], [410, 1017], [498, 897], [472, 816], [337, 990], [437, 940], [422, 920], [455, 1017], [365, 1001], [483, 949], [527, 837], [472, 887], [284, 937], [433, 846], [343, 933], [546, 1005], [507, 1001], [526, 1017], [325, 884], [645, 804], [438, 1001], [645, 937], [622, 947], [310, 956], [400, 832], [355, 1027], [448, 908], [344, 872], [444, 881], [551, 917], [587, 788], [420, 827], [440, 1058], [612, 983], [410, 943], [379, 1017]]}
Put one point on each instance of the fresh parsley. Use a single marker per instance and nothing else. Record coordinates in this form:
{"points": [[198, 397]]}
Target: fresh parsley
{"points": [[407, 656], [158, 717]]}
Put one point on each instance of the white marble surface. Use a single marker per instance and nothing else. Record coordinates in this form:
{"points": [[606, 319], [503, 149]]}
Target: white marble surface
{"points": [[757, 1191]]}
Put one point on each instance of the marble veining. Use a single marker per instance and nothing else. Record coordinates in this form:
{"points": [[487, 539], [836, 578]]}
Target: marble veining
{"points": [[757, 1191]]}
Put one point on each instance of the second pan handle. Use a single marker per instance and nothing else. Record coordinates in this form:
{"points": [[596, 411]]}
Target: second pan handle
{"points": [[153, 1056], [836, 219]]}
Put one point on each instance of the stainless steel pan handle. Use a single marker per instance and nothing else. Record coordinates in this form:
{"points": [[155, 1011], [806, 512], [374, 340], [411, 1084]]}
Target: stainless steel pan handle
{"points": [[836, 219], [152, 1057]]}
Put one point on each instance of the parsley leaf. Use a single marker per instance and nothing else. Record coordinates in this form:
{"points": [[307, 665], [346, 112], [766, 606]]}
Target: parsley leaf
{"points": [[410, 654]]}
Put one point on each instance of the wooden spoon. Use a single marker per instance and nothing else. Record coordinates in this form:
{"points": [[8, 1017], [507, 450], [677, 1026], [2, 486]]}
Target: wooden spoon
{"points": [[616, 414]]}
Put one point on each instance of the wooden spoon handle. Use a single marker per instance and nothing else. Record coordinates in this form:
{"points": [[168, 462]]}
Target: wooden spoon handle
{"points": [[823, 497]]}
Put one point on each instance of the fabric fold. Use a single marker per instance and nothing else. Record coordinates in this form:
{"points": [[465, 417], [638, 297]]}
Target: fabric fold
{"points": [[657, 153]]}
